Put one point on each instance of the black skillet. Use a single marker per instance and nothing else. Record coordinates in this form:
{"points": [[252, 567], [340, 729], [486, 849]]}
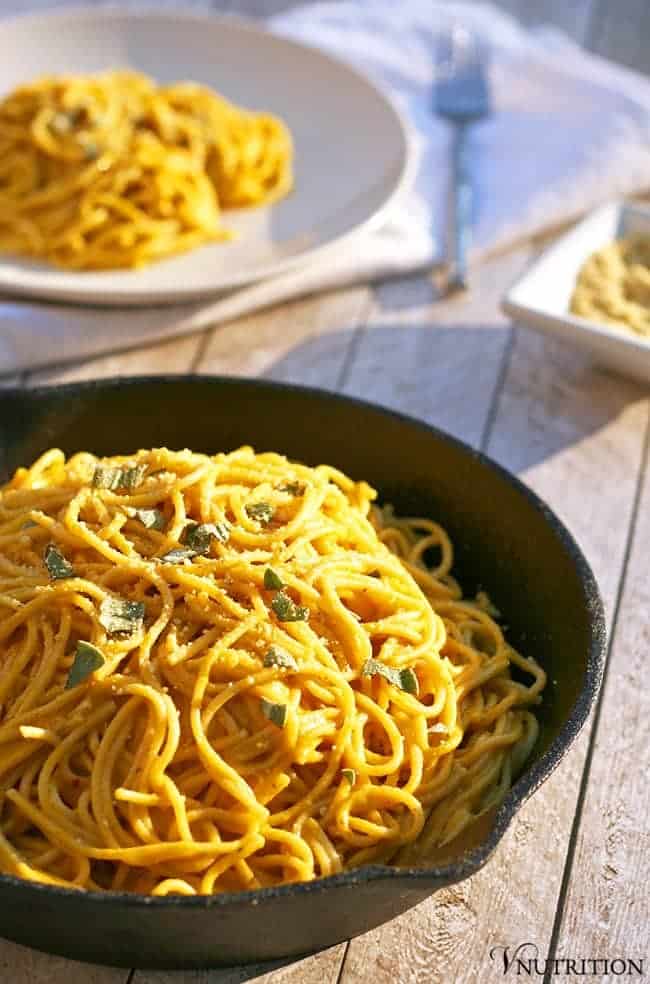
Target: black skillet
{"points": [[507, 541]]}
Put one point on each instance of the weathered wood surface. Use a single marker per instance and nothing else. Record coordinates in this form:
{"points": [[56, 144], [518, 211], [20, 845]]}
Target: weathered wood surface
{"points": [[607, 904], [572, 873]]}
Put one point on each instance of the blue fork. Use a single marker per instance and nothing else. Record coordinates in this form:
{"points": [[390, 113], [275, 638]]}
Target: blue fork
{"points": [[462, 97]]}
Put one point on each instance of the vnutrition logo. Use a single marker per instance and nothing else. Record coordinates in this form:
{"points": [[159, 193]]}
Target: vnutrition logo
{"points": [[524, 960]]}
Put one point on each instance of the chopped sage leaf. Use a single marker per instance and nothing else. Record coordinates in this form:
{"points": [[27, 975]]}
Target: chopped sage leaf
{"points": [[119, 616], [287, 610], [118, 479], [261, 511], [409, 681], [272, 581], [280, 657], [405, 679], [177, 555], [350, 775], [293, 488], [87, 659], [276, 713], [29, 524], [57, 566], [151, 519], [199, 536]]}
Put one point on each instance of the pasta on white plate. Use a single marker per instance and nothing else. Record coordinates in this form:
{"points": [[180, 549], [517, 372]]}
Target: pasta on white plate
{"points": [[110, 171], [230, 672]]}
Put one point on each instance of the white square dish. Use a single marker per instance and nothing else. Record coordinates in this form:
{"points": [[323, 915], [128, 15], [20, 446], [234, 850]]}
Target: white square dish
{"points": [[540, 298]]}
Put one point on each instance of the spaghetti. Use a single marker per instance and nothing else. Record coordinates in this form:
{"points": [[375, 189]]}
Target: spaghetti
{"points": [[229, 672], [109, 171]]}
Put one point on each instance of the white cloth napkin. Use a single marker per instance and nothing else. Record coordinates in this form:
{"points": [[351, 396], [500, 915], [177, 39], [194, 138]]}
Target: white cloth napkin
{"points": [[567, 132]]}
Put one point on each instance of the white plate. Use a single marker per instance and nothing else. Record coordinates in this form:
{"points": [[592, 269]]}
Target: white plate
{"points": [[541, 297], [351, 145]]}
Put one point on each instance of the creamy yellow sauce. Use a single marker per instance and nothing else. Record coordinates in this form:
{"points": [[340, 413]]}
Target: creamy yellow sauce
{"points": [[614, 286]]}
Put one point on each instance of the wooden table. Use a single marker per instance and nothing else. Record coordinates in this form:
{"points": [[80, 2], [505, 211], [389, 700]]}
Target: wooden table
{"points": [[572, 874]]}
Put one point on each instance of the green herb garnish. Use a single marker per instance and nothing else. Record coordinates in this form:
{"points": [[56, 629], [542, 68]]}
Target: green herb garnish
{"points": [[405, 679], [293, 488], [87, 659], [276, 713], [350, 775], [261, 511], [272, 581], [29, 524], [57, 566], [118, 479], [280, 657], [177, 555], [199, 536], [120, 617], [287, 610], [151, 519]]}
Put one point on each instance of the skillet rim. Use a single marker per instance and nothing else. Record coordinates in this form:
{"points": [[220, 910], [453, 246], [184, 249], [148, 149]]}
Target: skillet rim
{"points": [[524, 787]]}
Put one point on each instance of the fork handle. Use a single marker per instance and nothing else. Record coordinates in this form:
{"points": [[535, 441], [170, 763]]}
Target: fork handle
{"points": [[463, 206]]}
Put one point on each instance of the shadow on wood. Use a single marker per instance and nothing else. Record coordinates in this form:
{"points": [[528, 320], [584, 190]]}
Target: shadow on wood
{"points": [[458, 376]]}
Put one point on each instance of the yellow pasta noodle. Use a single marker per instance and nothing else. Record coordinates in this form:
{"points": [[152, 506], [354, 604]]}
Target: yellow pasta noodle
{"points": [[109, 171], [229, 672]]}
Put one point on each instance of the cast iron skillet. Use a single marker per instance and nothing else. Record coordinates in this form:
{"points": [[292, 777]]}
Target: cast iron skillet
{"points": [[506, 540]]}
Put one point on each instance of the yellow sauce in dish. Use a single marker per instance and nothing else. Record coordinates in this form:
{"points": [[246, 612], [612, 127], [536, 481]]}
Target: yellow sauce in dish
{"points": [[613, 286]]}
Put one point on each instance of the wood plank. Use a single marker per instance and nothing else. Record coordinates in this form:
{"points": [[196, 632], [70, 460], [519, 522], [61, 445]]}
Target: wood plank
{"points": [[21, 965], [563, 426], [607, 908], [437, 359], [175, 356], [306, 341]]}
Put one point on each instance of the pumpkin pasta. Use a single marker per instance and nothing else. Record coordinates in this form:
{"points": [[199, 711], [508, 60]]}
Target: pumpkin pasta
{"points": [[229, 672], [113, 171]]}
